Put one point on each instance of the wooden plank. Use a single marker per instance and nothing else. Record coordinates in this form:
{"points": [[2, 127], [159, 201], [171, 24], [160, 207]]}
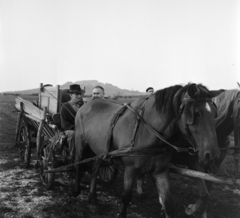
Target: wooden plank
{"points": [[20, 114], [29, 108], [50, 91], [59, 98], [39, 96], [201, 175], [39, 136], [37, 119], [47, 93], [49, 97]]}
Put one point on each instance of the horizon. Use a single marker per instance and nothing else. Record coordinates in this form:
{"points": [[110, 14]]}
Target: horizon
{"points": [[142, 92], [130, 44], [76, 82]]}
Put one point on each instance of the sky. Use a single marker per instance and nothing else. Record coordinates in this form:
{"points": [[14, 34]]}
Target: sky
{"points": [[132, 44]]}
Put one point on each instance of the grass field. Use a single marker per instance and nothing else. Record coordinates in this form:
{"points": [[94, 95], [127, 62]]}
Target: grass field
{"points": [[22, 194]]}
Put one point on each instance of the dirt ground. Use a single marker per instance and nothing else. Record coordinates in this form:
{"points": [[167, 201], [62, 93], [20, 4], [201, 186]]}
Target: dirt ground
{"points": [[22, 194]]}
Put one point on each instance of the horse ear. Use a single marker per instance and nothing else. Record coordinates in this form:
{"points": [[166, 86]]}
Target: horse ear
{"points": [[238, 84], [193, 90], [215, 93]]}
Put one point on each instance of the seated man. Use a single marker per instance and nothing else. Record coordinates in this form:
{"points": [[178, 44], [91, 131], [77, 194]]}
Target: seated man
{"points": [[68, 112], [98, 92]]}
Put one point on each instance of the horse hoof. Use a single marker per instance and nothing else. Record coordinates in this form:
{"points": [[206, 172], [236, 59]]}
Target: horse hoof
{"points": [[189, 210]]}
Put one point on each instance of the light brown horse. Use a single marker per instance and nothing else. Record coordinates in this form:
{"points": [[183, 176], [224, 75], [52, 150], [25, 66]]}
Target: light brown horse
{"points": [[147, 129]]}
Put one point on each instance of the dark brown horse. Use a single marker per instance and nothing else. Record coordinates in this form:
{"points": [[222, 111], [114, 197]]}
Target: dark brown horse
{"points": [[227, 122], [147, 129]]}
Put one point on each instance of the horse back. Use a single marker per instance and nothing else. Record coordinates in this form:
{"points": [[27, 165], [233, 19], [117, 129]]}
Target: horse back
{"points": [[228, 106], [92, 124]]}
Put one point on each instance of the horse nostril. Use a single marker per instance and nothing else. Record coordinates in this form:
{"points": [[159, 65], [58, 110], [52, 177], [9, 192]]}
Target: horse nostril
{"points": [[208, 157]]}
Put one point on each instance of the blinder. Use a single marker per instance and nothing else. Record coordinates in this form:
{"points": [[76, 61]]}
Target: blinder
{"points": [[187, 107], [190, 113]]}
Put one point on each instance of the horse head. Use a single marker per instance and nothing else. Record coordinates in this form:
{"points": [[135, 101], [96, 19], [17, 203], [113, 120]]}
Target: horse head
{"points": [[196, 113]]}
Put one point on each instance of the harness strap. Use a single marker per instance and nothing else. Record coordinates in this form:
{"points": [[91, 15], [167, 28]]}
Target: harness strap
{"points": [[178, 149], [134, 152], [141, 111], [113, 122]]}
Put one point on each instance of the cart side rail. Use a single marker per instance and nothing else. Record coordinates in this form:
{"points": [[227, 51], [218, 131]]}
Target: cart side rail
{"points": [[29, 108], [50, 97]]}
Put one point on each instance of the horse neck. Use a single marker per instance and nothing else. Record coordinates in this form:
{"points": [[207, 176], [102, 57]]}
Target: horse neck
{"points": [[161, 121]]}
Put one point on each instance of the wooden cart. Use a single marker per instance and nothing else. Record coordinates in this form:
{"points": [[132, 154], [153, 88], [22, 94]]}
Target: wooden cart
{"points": [[38, 128]]}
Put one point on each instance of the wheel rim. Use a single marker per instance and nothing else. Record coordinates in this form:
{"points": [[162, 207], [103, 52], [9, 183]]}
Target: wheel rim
{"points": [[45, 164], [46, 177], [24, 140], [107, 174]]}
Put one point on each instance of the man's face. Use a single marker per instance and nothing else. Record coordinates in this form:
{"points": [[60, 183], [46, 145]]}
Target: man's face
{"points": [[150, 92], [76, 97], [97, 93]]}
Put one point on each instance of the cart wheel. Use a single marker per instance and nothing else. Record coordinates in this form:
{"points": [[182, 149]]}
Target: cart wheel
{"points": [[48, 162], [108, 173], [25, 144]]}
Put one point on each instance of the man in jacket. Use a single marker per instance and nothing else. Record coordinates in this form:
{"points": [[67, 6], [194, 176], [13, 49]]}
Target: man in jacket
{"points": [[68, 112]]}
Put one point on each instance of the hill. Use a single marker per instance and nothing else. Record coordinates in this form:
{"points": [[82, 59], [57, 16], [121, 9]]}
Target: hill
{"points": [[110, 90]]}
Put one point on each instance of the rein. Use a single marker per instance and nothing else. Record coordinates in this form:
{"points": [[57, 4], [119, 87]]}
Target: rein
{"points": [[190, 150], [185, 103]]}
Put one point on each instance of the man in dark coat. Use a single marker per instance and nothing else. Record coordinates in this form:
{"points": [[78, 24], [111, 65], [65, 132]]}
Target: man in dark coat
{"points": [[68, 112]]}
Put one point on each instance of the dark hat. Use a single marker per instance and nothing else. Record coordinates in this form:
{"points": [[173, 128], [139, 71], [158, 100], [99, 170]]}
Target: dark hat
{"points": [[75, 88], [149, 88]]}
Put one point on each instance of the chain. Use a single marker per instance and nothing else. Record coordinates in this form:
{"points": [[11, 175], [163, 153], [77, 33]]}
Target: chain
{"points": [[78, 163]]}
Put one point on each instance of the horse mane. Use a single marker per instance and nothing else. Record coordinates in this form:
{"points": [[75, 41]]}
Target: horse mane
{"points": [[164, 98], [170, 98]]}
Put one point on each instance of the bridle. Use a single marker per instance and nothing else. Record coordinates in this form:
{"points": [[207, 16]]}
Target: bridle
{"points": [[187, 107], [185, 103]]}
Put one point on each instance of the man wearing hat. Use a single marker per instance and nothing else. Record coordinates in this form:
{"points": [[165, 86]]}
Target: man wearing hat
{"points": [[68, 112], [150, 90]]}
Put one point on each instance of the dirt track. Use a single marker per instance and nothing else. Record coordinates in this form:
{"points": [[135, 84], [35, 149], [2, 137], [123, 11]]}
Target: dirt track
{"points": [[22, 194]]}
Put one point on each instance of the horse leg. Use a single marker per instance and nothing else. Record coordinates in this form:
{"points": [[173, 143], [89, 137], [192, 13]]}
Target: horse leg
{"points": [[129, 177], [92, 198], [140, 185], [162, 185], [204, 187], [76, 190], [200, 206]]}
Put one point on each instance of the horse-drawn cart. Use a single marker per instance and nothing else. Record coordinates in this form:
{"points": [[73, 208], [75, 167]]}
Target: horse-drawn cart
{"points": [[39, 121], [38, 128]]}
